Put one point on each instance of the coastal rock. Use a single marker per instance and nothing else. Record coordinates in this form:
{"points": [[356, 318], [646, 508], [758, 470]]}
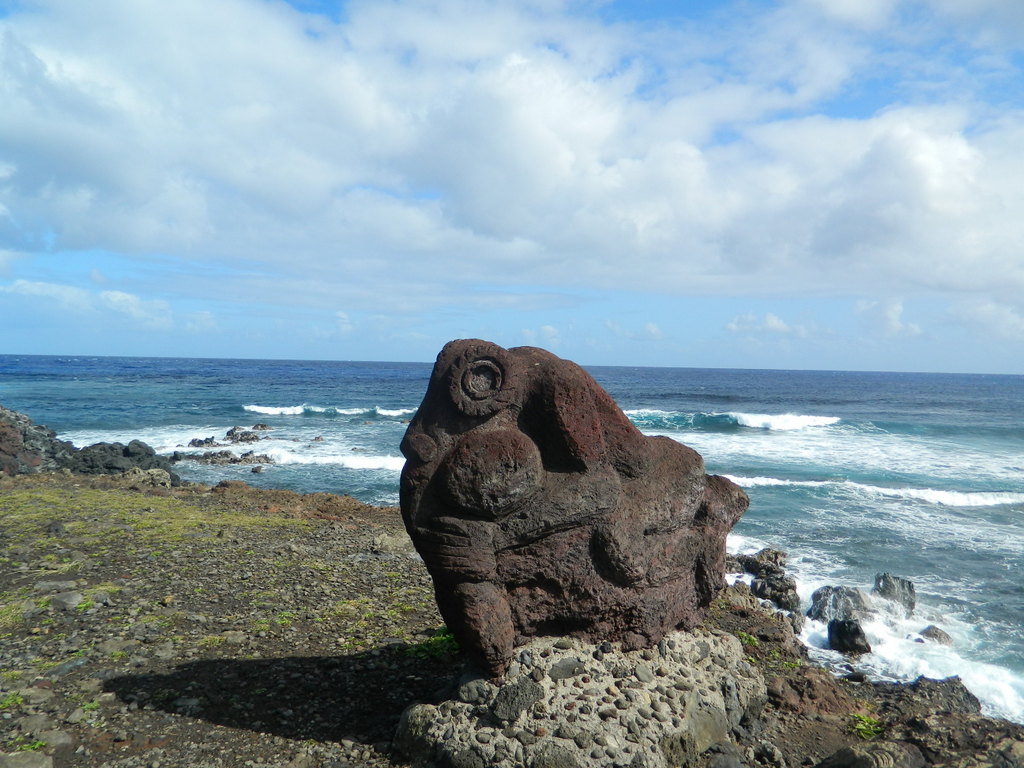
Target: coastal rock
{"points": [[767, 562], [114, 458], [828, 603], [847, 636], [898, 589], [28, 448], [925, 696], [606, 716], [882, 754], [240, 435], [539, 509], [772, 582], [933, 634], [781, 590], [227, 457]]}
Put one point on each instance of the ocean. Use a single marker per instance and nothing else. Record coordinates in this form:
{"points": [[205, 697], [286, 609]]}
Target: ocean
{"points": [[920, 475]]}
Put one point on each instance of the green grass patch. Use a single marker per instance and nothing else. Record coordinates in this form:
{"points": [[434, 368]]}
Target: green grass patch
{"points": [[747, 639], [11, 701], [442, 644], [109, 515], [865, 726]]}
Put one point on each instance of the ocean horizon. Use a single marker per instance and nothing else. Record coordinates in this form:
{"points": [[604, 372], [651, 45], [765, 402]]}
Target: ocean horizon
{"points": [[852, 473]]}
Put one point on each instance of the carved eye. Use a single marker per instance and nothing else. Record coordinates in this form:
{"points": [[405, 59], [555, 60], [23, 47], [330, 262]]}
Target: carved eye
{"points": [[482, 379], [480, 384]]}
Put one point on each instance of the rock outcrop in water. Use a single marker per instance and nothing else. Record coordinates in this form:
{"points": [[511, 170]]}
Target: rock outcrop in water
{"points": [[539, 509]]}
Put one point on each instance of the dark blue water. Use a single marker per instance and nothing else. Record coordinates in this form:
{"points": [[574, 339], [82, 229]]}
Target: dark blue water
{"points": [[852, 473]]}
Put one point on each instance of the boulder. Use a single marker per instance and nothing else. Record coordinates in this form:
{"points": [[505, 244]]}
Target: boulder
{"points": [[933, 634], [847, 636], [828, 603], [115, 458], [881, 754], [767, 562], [539, 509], [781, 590], [896, 588], [536, 716], [239, 435], [28, 448]]}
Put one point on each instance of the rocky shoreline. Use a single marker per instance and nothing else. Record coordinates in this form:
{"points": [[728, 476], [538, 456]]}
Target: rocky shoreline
{"points": [[148, 622]]}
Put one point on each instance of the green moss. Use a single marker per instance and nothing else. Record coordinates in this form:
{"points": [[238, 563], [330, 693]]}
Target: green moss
{"points": [[110, 515]]}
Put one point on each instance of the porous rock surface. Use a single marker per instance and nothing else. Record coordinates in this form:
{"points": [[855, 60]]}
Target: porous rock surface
{"points": [[539, 509], [565, 703]]}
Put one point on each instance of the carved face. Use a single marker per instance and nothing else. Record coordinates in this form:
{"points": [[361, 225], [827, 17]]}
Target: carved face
{"points": [[499, 426]]}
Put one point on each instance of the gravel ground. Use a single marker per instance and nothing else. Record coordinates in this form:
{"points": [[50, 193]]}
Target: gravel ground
{"points": [[207, 627]]}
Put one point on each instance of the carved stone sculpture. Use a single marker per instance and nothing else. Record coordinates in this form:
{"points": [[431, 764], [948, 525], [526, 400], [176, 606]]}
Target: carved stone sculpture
{"points": [[539, 509]]}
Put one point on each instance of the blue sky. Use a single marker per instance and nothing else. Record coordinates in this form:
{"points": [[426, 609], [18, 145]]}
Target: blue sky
{"points": [[795, 184]]}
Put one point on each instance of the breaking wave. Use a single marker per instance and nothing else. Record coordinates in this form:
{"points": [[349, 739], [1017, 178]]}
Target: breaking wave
{"points": [[929, 495], [301, 410]]}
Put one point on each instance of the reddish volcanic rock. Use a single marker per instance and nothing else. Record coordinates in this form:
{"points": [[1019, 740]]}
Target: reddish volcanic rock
{"points": [[540, 509], [27, 448]]}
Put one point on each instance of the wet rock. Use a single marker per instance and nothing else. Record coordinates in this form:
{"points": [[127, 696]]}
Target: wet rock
{"points": [[781, 590], [767, 562], [828, 603], [898, 589], [933, 634], [539, 509], [847, 636], [239, 435]]}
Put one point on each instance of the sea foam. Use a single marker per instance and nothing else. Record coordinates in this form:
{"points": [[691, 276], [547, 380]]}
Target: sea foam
{"points": [[299, 410], [929, 495]]}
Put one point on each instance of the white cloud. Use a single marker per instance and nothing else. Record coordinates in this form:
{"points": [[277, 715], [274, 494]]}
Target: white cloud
{"points": [[202, 321], [546, 336], [992, 317], [65, 296], [7, 259], [868, 14], [770, 323], [649, 331], [887, 317], [154, 312], [426, 149], [343, 322]]}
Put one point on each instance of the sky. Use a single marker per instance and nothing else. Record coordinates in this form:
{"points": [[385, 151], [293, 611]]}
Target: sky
{"points": [[801, 184]]}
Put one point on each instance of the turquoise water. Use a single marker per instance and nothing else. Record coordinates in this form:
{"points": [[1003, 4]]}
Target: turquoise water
{"points": [[852, 473]]}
